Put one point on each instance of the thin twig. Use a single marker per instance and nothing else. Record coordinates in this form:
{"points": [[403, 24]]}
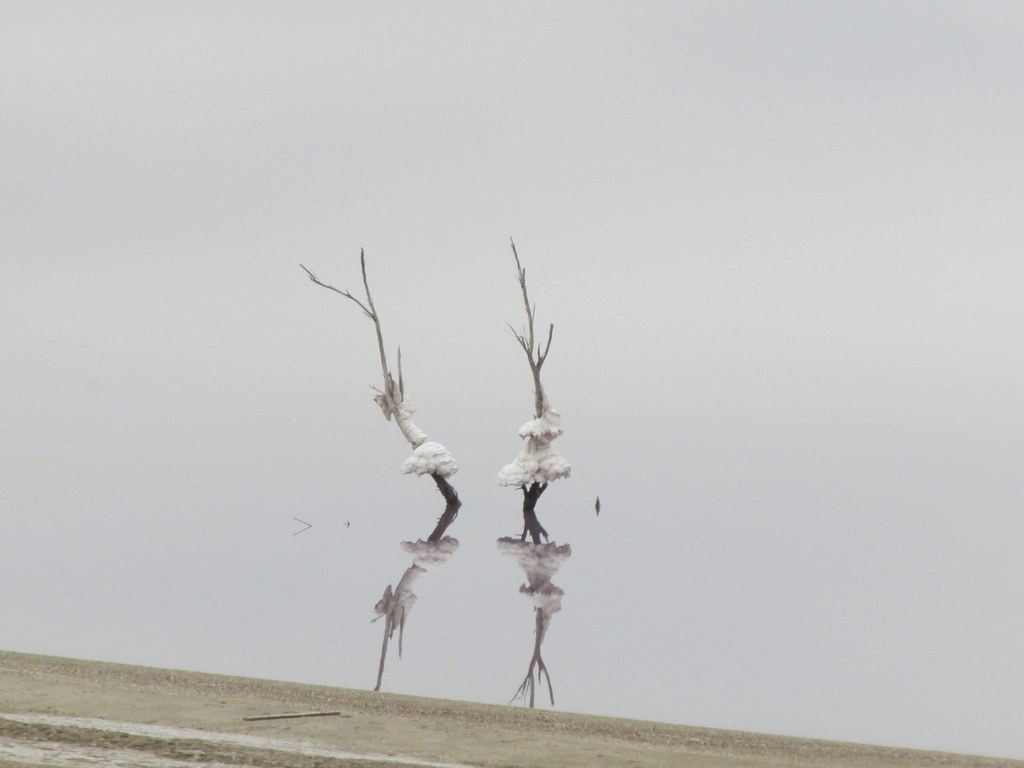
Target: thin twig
{"points": [[328, 286], [290, 716]]}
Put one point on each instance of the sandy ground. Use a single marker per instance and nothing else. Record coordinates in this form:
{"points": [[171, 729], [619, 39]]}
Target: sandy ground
{"points": [[71, 713]]}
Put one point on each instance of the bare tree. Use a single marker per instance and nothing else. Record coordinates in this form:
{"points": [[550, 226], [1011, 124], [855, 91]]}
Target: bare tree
{"points": [[428, 458], [537, 465]]}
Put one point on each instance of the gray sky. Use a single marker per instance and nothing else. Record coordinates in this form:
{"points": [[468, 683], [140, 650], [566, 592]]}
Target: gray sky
{"points": [[780, 244]]}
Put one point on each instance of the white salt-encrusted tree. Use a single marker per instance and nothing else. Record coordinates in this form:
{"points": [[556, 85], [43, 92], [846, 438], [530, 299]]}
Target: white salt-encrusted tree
{"points": [[428, 458], [537, 465]]}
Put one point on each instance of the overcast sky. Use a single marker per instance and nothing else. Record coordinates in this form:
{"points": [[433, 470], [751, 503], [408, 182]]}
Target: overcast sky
{"points": [[781, 247]]}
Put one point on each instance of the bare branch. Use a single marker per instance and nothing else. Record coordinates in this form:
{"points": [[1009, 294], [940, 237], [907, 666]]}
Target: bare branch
{"points": [[530, 309], [389, 383], [520, 338], [366, 284], [312, 276], [528, 341], [542, 357], [401, 382], [391, 398], [515, 253]]}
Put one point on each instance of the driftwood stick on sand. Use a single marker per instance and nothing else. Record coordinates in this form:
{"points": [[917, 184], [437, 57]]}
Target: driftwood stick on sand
{"points": [[288, 716]]}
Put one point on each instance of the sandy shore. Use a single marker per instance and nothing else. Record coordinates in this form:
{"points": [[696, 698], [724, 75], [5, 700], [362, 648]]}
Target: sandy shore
{"points": [[66, 712]]}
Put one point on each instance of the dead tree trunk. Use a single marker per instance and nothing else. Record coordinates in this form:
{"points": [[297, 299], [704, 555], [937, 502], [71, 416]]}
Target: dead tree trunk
{"points": [[451, 507], [531, 525]]}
